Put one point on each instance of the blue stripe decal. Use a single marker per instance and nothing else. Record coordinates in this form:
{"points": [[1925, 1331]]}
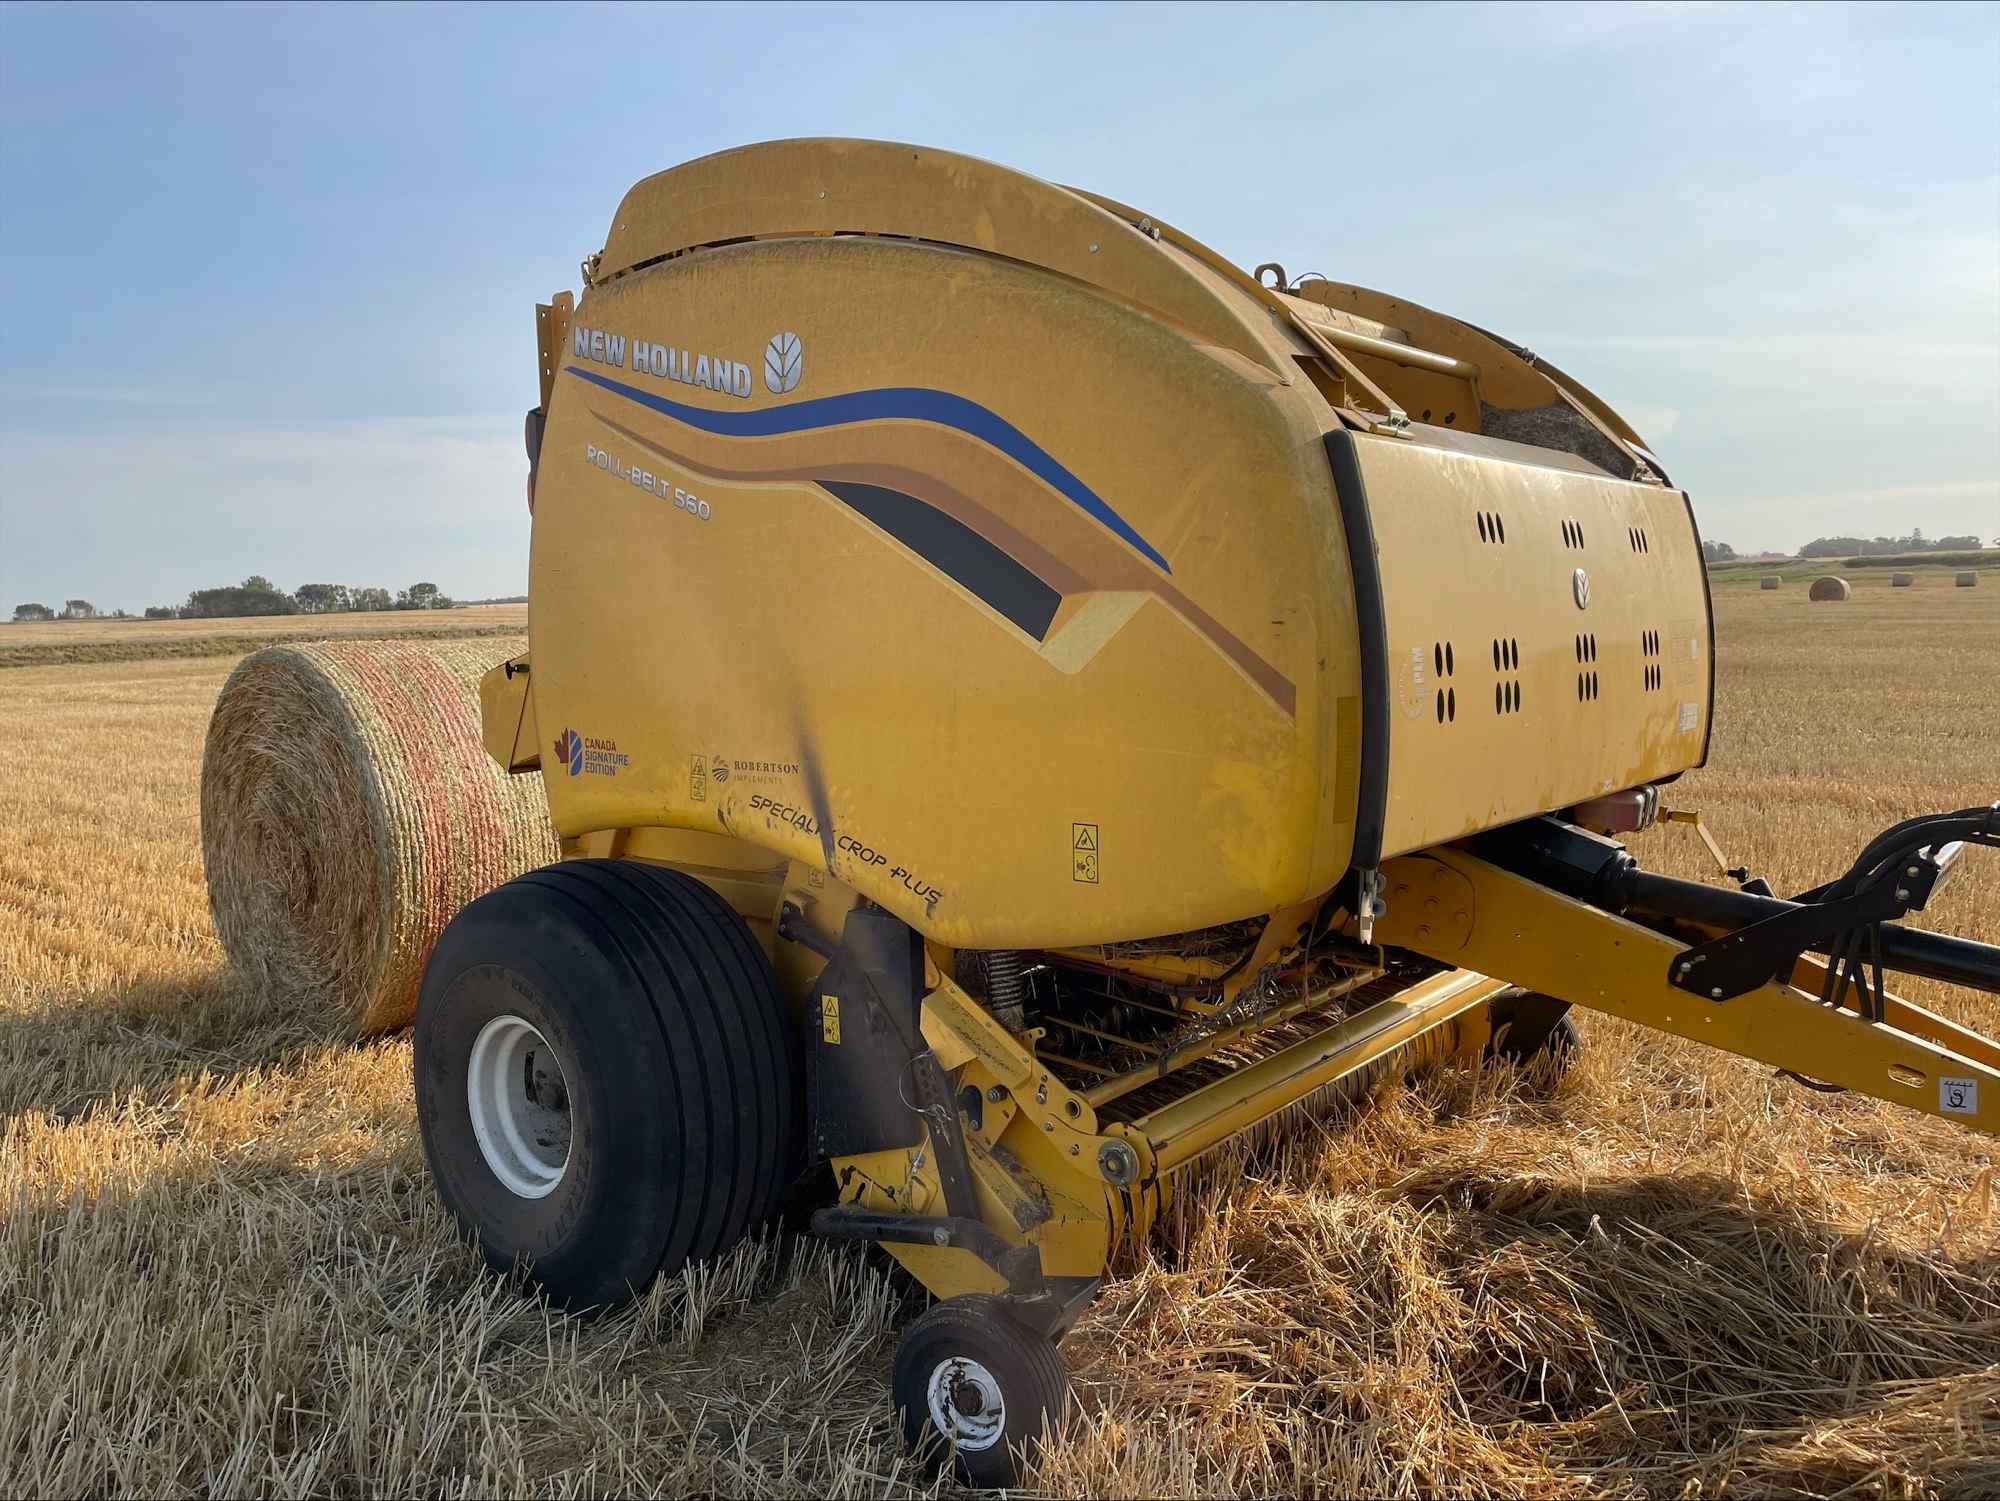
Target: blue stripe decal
{"points": [[910, 403]]}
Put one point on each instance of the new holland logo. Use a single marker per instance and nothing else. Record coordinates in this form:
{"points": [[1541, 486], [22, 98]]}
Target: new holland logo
{"points": [[784, 363]]}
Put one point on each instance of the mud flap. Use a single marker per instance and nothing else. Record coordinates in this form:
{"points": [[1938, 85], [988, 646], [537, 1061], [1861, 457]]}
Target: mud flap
{"points": [[865, 1028]]}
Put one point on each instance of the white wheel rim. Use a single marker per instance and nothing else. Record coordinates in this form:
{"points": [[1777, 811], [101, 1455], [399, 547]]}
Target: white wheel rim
{"points": [[966, 1405], [519, 1100]]}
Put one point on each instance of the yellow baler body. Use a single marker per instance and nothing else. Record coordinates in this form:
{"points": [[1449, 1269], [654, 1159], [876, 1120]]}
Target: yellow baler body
{"points": [[981, 545]]}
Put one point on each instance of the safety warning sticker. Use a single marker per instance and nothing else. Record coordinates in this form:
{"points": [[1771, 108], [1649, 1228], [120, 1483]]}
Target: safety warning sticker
{"points": [[1083, 853]]}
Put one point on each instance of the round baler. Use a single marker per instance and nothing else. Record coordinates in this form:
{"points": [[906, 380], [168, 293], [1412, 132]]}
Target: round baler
{"points": [[1024, 702]]}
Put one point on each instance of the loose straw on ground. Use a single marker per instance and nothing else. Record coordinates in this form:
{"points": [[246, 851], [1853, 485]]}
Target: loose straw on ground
{"points": [[348, 811]]}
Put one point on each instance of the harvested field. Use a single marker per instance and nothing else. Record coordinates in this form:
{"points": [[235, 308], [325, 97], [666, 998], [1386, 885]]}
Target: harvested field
{"points": [[52, 643], [222, 1268], [1863, 573]]}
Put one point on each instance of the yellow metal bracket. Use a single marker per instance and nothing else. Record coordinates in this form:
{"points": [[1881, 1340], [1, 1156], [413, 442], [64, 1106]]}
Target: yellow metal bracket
{"points": [[551, 337], [1437, 901], [1394, 421], [960, 1030], [1694, 819]]}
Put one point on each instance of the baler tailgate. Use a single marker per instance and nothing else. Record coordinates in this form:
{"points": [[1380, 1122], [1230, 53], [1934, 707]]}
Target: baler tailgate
{"points": [[1545, 630]]}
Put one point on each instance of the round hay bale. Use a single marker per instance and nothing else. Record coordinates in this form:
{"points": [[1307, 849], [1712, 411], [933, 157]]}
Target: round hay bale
{"points": [[348, 810], [1828, 587], [1901, 580], [1967, 579], [1768, 581]]}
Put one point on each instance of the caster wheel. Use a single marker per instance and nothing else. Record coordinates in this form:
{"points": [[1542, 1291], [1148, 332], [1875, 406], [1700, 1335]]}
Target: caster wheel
{"points": [[1528, 1026], [974, 1388], [1564, 1042]]}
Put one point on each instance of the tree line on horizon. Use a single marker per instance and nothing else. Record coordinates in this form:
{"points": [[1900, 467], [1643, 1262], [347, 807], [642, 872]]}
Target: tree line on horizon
{"points": [[1858, 547], [1864, 547], [257, 595]]}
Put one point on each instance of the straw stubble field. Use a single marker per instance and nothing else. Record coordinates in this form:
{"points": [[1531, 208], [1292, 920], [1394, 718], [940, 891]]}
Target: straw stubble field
{"points": [[222, 1268]]}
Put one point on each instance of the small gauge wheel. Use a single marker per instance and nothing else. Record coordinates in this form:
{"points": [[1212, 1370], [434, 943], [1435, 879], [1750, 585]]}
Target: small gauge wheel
{"points": [[978, 1390]]}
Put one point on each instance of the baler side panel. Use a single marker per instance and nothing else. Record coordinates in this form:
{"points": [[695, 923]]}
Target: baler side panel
{"points": [[1547, 636], [1019, 611]]}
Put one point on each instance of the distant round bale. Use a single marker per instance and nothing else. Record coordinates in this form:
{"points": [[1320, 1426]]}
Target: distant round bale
{"points": [[1901, 580], [1967, 579], [348, 810], [1768, 581], [1828, 587]]}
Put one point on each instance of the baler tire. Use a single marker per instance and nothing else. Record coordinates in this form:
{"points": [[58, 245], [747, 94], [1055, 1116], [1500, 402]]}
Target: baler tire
{"points": [[971, 1341], [676, 1069]]}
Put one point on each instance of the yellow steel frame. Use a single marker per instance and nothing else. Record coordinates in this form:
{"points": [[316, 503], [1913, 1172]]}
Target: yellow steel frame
{"points": [[1038, 1152], [1182, 1132], [1548, 942]]}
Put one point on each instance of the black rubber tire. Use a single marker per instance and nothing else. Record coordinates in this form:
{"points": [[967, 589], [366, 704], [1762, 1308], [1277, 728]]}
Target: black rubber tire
{"points": [[1033, 1385], [683, 1072]]}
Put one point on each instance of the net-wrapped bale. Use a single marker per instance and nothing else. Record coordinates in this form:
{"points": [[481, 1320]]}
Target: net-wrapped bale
{"points": [[1768, 581], [1828, 588], [348, 810], [1901, 580], [1967, 579]]}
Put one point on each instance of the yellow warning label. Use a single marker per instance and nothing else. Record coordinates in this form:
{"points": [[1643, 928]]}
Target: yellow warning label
{"points": [[1083, 853], [829, 1019]]}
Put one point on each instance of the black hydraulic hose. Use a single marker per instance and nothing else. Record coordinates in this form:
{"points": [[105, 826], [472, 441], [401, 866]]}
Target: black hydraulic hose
{"points": [[1897, 839]]}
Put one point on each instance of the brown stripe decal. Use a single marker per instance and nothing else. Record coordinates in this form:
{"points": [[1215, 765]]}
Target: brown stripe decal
{"points": [[1108, 568]]}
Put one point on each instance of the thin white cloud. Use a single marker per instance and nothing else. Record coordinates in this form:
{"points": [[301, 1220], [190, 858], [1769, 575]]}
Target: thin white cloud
{"points": [[130, 519], [1565, 25], [1788, 521], [1810, 365], [1651, 421], [1974, 490], [111, 395]]}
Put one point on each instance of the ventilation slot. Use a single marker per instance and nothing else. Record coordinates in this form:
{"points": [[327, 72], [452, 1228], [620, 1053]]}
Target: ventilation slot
{"points": [[1506, 686], [1654, 675], [1586, 660], [1491, 527], [1442, 660], [1572, 534], [1640, 541]]}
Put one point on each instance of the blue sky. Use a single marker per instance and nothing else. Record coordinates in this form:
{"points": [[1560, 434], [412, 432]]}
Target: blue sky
{"points": [[272, 269]]}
